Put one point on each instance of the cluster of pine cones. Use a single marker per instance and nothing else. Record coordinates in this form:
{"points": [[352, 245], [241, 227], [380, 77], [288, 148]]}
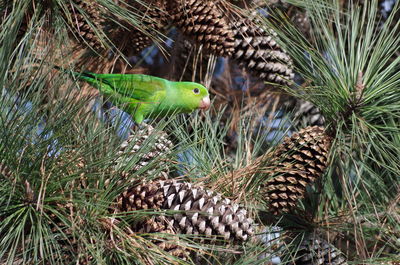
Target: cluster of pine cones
{"points": [[219, 30], [295, 164]]}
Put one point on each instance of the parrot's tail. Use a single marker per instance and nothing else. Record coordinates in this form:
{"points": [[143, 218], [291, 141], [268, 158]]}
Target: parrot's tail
{"points": [[85, 76]]}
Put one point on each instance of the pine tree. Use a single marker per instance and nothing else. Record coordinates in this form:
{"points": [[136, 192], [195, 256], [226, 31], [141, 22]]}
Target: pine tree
{"points": [[72, 190]]}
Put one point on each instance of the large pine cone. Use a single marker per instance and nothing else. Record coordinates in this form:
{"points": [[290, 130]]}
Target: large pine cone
{"points": [[297, 162], [257, 50], [203, 21], [80, 12], [314, 250], [203, 213]]}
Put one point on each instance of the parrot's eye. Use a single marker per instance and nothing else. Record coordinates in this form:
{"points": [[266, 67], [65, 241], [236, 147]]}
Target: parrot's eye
{"points": [[196, 90]]}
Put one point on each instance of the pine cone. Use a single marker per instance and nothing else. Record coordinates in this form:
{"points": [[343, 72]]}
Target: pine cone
{"points": [[77, 12], [131, 41], [297, 162], [314, 250], [203, 212], [203, 21], [150, 145], [257, 51]]}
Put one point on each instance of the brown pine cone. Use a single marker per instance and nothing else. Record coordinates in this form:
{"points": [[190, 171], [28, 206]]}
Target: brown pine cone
{"points": [[297, 162], [204, 22], [257, 50], [203, 213]]}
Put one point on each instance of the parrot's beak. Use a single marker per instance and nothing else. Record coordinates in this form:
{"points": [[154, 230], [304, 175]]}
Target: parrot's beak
{"points": [[205, 103]]}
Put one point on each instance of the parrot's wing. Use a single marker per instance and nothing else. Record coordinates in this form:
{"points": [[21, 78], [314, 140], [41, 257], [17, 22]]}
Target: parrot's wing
{"points": [[138, 87]]}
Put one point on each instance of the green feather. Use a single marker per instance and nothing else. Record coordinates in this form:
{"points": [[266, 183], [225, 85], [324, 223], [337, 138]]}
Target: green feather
{"points": [[145, 96]]}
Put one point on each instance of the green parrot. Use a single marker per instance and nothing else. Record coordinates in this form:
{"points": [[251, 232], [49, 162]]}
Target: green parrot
{"points": [[144, 96]]}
